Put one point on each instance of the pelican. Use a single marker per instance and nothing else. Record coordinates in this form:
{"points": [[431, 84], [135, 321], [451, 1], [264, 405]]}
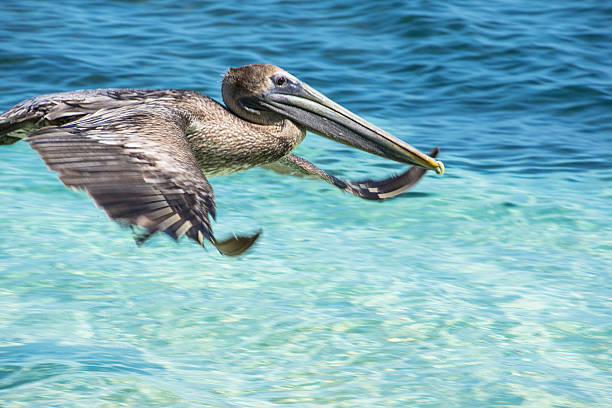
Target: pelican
{"points": [[145, 156]]}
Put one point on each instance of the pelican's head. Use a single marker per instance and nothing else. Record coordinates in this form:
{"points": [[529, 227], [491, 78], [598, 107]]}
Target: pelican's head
{"points": [[267, 94]]}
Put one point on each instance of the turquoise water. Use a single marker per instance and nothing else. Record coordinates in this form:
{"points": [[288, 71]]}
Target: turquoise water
{"points": [[488, 286]]}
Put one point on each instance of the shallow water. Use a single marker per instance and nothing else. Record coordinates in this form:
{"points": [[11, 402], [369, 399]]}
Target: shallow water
{"points": [[489, 286]]}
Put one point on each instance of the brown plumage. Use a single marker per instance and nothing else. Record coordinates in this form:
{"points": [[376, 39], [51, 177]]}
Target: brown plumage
{"points": [[145, 155]]}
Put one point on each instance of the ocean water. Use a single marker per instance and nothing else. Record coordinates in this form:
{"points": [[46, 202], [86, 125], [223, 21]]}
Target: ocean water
{"points": [[489, 286]]}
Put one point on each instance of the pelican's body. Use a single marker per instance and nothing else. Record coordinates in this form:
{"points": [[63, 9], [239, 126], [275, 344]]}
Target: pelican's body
{"points": [[145, 155]]}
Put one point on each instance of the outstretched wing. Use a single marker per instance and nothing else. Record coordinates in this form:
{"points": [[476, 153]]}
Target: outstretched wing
{"points": [[138, 166], [369, 189], [60, 108], [57, 109]]}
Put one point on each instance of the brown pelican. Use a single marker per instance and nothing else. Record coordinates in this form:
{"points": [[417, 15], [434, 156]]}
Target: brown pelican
{"points": [[145, 155]]}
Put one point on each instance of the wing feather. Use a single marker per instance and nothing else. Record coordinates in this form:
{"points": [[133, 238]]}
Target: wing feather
{"points": [[136, 164]]}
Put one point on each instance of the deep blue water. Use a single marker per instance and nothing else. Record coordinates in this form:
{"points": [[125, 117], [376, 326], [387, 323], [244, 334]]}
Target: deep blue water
{"points": [[488, 286]]}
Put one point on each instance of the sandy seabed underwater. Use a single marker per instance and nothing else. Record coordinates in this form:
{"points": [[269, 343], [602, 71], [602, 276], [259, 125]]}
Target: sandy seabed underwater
{"points": [[489, 286]]}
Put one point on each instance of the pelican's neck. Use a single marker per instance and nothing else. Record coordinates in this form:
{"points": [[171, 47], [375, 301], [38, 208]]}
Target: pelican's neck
{"points": [[224, 143]]}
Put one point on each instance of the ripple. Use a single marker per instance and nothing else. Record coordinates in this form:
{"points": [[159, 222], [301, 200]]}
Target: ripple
{"points": [[488, 286]]}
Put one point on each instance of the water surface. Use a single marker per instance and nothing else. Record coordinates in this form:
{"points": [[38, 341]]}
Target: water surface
{"points": [[489, 286]]}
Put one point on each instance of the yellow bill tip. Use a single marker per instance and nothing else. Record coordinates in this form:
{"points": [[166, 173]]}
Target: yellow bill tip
{"points": [[440, 168]]}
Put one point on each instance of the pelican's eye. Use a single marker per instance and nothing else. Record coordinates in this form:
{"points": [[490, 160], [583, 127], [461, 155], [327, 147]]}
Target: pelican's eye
{"points": [[280, 80]]}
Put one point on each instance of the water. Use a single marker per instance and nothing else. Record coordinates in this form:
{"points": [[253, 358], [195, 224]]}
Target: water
{"points": [[489, 286]]}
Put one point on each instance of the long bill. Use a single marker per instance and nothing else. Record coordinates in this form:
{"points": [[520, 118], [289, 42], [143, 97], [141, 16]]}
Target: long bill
{"points": [[322, 116]]}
